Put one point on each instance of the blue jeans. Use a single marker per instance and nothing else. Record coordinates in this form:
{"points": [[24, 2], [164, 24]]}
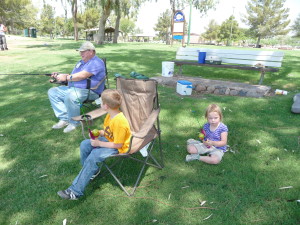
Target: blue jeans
{"points": [[66, 101], [89, 158]]}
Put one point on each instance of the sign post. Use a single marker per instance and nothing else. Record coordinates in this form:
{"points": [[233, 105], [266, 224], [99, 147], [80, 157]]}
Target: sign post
{"points": [[178, 24]]}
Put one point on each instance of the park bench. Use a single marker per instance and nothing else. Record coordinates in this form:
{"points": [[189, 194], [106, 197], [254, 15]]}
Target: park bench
{"points": [[263, 61]]}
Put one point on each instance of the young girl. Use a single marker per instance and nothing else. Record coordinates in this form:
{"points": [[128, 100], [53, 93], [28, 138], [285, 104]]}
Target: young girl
{"points": [[214, 144]]}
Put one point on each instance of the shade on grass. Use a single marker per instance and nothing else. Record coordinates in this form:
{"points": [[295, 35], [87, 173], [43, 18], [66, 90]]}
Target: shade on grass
{"points": [[36, 161]]}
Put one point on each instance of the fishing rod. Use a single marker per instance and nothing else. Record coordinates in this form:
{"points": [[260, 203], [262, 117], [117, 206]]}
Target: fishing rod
{"points": [[53, 80], [13, 74]]}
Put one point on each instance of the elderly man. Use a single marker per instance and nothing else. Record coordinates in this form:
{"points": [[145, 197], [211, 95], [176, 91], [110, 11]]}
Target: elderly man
{"points": [[89, 73]]}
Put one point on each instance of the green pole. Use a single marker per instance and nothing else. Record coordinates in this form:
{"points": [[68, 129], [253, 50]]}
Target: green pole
{"points": [[190, 20]]}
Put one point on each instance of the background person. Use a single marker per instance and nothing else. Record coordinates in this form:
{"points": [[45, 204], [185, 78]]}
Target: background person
{"points": [[3, 43], [214, 144], [114, 139], [66, 100]]}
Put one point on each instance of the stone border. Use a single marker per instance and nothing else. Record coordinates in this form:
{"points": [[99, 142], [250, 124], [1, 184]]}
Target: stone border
{"points": [[218, 87]]}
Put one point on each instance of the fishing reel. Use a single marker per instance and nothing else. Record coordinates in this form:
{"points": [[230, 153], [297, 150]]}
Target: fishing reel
{"points": [[53, 80]]}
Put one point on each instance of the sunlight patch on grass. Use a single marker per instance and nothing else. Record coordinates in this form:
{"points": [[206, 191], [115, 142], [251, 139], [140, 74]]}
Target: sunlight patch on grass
{"points": [[21, 217], [4, 163]]}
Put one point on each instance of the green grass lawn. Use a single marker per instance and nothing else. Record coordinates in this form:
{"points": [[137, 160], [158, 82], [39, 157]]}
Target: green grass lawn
{"points": [[36, 161]]}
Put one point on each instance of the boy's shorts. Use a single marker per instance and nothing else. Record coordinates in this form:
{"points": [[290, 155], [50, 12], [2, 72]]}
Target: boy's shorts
{"points": [[202, 149]]}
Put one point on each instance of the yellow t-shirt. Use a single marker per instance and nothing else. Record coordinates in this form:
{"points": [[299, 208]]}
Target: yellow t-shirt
{"points": [[117, 130]]}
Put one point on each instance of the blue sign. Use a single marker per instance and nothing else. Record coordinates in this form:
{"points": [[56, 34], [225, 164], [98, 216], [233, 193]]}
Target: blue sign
{"points": [[179, 17], [178, 37]]}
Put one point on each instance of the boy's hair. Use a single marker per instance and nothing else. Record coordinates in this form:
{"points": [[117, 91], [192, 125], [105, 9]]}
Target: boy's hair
{"points": [[214, 108], [111, 98]]}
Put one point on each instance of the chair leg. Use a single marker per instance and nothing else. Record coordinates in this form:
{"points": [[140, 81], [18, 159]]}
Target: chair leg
{"points": [[145, 162], [138, 179], [82, 130], [156, 163], [116, 179]]}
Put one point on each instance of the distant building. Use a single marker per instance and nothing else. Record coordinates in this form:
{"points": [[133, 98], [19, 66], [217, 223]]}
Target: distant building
{"points": [[92, 34], [194, 38], [141, 37]]}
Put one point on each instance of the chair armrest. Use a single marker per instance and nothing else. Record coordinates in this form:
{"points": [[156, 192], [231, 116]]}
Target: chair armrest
{"points": [[91, 115], [148, 124]]}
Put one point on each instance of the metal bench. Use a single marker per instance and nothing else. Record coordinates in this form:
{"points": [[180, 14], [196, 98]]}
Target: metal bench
{"points": [[263, 61]]}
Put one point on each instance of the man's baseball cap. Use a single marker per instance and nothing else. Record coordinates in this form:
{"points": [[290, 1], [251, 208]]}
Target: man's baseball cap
{"points": [[86, 46]]}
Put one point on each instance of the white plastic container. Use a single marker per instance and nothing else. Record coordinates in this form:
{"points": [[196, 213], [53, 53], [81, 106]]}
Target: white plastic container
{"points": [[167, 69], [184, 87], [280, 92]]}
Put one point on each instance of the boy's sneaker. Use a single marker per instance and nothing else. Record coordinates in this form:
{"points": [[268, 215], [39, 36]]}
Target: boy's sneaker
{"points": [[95, 175], [67, 194], [192, 157], [70, 128], [60, 124]]}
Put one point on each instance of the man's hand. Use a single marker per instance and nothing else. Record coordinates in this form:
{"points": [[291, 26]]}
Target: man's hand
{"points": [[62, 77], [54, 74]]}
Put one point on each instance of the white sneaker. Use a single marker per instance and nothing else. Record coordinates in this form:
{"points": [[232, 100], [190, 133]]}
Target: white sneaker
{"points": [[192, 157], [70, 128], [60, 124]]}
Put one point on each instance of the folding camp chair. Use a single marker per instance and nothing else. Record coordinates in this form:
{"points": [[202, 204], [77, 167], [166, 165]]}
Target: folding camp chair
{"points": [[141, 108]]}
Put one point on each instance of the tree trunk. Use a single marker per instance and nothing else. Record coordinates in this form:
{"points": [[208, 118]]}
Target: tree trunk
{"points": [[117, 28], [105, 14], [101, 34], [74, 15], [172, 20], [167, 39], [258, 41]]}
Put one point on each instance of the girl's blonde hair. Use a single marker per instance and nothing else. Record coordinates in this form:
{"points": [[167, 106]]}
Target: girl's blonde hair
{"points": [[111, 98], [214, 108]]}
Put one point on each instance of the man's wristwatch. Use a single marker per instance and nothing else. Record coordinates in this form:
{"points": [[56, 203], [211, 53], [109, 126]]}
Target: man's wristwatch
{"points": [[70, 77]]}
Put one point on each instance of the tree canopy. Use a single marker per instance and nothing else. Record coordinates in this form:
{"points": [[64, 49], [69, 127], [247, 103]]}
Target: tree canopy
{"points": [[296, 26], [47, 20], [229, 30], [212, 31], [267, 18], [163, 26], [17, 13]]}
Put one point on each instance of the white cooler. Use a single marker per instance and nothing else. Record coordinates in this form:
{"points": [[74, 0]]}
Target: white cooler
{"points": [[184, 87]]}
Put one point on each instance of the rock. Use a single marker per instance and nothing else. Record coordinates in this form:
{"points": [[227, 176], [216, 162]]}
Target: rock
{"points": [[222, 91], [227, 92], [200, 88], [218, 87], [242, 93], [217, 91], [233, 92], [253, 94], [170, 82], [210, 89]]}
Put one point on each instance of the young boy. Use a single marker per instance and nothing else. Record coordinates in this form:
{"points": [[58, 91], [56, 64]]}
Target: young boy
{"points": [[114, 139]]}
